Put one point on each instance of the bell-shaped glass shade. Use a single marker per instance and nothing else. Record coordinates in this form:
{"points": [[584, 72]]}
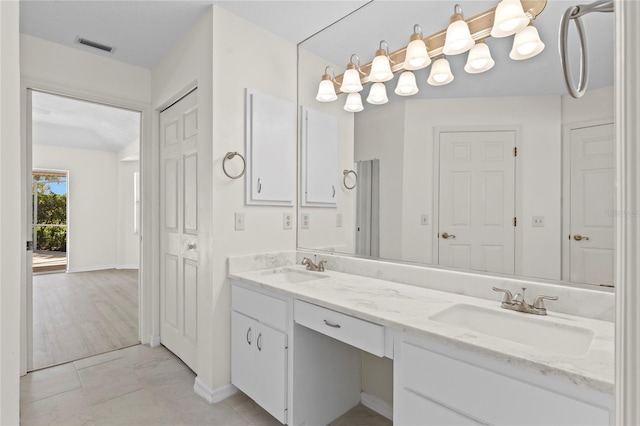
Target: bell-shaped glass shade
{"points": [[417, 56], [380, 69], [458, 38], [353, 103], [326, 91], [377, 94], [509, 18], [526, 44], [351, 81], [440, 73], [406, 84], [479, 59]]}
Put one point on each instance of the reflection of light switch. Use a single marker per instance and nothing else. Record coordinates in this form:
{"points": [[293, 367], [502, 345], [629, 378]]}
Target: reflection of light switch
{"points": [[287, 221], [538, 221], [424, 219], [304, 221], [339, 220], [239, 221]]}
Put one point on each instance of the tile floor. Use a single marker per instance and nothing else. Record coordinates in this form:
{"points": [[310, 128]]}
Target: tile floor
{"points": [[140, 386]]}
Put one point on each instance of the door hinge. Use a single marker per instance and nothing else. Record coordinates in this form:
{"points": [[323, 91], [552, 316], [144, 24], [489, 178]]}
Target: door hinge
{"points": [[29, 245], [515, 221], [515, 151]]}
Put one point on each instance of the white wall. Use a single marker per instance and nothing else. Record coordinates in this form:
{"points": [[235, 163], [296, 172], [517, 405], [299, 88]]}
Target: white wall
{"points": [[597, 104], [323, 232], [11, 234], [244, 56], [128, 242], [92, 237]]}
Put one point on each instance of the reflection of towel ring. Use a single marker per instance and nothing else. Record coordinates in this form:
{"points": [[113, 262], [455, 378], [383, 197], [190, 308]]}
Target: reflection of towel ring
{"points": [[230, 156], [344, 179]]}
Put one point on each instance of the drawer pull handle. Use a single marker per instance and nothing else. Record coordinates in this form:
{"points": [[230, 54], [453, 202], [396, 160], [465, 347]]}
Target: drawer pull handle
{"points": [[258, 342], [248, 335], [332, 324]]}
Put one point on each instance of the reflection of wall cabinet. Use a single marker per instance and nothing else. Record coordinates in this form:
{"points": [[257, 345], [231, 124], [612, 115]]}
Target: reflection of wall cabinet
{"points": [[271, 149], [259, 349], [319, 158], [436, 385]]}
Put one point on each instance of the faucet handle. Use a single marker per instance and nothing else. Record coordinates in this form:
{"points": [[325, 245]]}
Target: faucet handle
{"points": [[519, 297], [508, 297], [539, 302], [321, 265]]}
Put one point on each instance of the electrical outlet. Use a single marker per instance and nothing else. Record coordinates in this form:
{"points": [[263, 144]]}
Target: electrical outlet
{"points": [[338, 220], [304, 221], [424, 219], [538, 221], [239, 221], [287, 221]]}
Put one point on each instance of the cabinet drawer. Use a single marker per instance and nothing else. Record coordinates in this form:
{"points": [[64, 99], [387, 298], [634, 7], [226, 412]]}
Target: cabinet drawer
{"points": [[356, 332], [489, 396], [266, 309]]}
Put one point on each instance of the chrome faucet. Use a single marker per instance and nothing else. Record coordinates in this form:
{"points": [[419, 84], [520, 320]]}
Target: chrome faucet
{"points": [[518, 303], [312, 266]]}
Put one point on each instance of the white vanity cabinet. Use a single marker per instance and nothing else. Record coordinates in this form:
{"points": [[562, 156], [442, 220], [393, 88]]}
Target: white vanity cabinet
{"points": [[438, 384], [259, 349]]}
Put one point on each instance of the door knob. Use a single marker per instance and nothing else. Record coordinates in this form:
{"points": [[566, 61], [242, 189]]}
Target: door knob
{"points": [[447, 236], [579, 237], [191, 246]]}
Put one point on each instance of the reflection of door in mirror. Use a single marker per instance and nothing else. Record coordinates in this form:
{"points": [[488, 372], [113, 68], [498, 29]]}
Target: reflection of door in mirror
{"points": [[477, 200], [591, 236], [368, 208]]}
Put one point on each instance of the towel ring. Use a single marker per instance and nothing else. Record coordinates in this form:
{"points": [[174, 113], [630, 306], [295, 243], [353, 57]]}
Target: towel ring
{"points": [[230, 156], [344, 179]]}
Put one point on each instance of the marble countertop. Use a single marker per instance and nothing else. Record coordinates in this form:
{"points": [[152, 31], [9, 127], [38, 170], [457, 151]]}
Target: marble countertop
{"points": [[408, 308]]}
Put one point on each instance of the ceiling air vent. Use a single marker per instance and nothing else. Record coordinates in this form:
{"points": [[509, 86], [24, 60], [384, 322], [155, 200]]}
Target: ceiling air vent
{"points": [[95, 45]]}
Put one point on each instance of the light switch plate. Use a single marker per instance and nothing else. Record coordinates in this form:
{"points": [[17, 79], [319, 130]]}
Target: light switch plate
{"points": [[239, 221], [287, 221], [424, 219], [338, 220], [304, 221], [537, 221]]}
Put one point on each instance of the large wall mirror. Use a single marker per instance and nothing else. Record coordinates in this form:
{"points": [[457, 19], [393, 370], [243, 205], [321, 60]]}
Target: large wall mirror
{"points": [[496, 172]]}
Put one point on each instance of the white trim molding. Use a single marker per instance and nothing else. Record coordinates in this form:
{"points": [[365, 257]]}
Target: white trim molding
{"points": [[154, 341], [376, 404], [627, 16], [213, 396]]}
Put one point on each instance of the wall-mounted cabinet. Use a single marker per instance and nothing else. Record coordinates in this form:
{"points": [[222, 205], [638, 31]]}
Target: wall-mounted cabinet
{"points": [[271, 150], [319, 158]]}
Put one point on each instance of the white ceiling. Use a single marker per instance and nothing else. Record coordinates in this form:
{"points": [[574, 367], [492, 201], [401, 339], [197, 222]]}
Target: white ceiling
{"points": [[62, 121]]}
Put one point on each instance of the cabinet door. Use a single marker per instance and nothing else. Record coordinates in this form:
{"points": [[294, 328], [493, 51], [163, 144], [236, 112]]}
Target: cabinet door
{"points": [[271, 371], [271, 149], [243, 339], [319, 168], [414, 410]]}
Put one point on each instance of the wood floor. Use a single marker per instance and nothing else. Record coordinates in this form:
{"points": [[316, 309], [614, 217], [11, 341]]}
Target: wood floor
{"points": [[83, 314]]}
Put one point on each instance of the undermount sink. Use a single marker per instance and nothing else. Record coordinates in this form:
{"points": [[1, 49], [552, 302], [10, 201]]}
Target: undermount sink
{"points": [[541, 333], [293, 276]]}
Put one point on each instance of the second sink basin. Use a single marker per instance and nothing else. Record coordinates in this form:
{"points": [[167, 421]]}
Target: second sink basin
{"points": [[521, 328], [293, 276]]}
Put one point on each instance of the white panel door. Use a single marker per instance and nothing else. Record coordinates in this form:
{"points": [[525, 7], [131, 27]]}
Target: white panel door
{"points": [[179, 228], [243, 366], [319, 168], [477, 200], [592, 205], [271, 371]]}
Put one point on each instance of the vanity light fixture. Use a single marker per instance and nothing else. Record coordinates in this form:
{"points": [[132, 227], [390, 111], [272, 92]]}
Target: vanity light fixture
{"points": [[526, 44], [351, 79], [458, 38], [479, 58], [381, 67], [354, 103], [377, 94], [327, 89], [509, 18], [462, 35], [440, 73], [417, 56], [407, 84]]}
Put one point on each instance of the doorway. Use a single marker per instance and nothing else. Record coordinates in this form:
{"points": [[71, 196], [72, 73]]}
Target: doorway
{"points": [[85, 220]]}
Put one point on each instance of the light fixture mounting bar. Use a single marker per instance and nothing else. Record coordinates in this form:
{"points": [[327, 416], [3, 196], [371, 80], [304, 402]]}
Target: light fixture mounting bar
{"points": [[479, 26]]}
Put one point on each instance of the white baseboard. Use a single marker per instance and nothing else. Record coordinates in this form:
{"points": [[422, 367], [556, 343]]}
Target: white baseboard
{"points": [[92, 268], [376, 404], [154, 341], [129, 266], [213, 396]]}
